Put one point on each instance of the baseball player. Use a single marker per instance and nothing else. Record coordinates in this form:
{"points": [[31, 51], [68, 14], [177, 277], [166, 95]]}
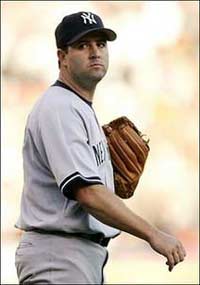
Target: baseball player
{"points": [[69, 212]]}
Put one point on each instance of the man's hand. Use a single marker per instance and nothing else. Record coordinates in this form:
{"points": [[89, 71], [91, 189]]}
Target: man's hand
{"points": [[169, 247]]}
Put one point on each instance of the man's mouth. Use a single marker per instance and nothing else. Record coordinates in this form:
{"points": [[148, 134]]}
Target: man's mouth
{"points": [[96, 64]]}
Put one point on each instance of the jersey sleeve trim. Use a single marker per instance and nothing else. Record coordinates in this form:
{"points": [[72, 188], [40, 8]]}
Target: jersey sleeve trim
{"points": [[77, 180]]}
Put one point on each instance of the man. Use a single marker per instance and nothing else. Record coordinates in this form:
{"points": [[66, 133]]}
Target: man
{"points": [[69, 211]]}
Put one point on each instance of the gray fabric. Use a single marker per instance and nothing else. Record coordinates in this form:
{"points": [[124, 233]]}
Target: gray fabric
{"points": [[75, 260], [63, 142]]}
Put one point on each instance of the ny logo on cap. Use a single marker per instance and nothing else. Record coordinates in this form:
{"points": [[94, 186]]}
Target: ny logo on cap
{"points": [[88, 17]]}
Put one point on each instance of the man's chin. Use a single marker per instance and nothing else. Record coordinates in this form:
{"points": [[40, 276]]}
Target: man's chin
{"points": [[98, 75]]}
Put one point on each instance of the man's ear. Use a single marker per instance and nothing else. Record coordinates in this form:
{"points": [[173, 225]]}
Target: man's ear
{"points": [[62, 56]]}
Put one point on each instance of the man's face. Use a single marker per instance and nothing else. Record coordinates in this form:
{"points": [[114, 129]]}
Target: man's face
{"points": [[87, 59]]}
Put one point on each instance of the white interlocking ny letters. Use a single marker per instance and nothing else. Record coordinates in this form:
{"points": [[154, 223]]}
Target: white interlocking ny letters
{"points": [[88, 18]]}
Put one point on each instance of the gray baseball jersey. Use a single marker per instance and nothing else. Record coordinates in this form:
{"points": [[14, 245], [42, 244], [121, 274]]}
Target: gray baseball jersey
{"points": [[64, 148]]}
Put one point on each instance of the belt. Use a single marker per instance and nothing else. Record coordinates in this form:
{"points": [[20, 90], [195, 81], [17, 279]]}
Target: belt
{"points": [[97, 238]]}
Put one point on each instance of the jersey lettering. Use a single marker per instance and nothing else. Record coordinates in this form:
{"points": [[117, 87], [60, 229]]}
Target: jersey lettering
{"points": [[100, 152]]}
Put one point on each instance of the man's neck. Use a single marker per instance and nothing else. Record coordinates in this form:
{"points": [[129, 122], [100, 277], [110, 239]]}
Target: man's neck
{"points": [[87, 94]]}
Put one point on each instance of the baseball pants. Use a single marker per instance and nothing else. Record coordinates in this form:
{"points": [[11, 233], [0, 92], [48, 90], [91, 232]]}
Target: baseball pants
{"points": [[51, 259]]}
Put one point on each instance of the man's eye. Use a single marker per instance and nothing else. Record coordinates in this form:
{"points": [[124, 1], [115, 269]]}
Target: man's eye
{"points": [[102, 44], [83, 46]]}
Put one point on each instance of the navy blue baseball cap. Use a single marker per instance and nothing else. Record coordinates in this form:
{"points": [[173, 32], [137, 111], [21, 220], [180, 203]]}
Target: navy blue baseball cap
{"points": [[75, 26]]}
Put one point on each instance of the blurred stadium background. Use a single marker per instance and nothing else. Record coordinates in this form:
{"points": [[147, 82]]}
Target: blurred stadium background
{"points": [[153, 79]]}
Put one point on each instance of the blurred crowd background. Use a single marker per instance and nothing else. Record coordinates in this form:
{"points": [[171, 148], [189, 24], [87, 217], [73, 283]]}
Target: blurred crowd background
{"points": [[154, 80]]}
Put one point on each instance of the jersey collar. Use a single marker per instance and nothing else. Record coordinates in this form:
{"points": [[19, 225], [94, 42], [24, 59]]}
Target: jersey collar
{"points": [[63, 85]]}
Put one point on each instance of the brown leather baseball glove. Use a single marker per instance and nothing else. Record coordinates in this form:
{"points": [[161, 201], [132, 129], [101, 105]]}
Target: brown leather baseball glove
{"points": [[129, 151]]}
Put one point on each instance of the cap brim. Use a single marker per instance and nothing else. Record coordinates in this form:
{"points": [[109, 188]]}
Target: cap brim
{"points": [[110, 35]]}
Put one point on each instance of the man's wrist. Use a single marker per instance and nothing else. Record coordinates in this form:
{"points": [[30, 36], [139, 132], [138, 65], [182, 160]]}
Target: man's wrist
{"points": [[150, 235]]}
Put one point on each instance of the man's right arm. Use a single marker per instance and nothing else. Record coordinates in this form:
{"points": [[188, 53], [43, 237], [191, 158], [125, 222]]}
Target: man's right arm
{"points": [[110, 209]]}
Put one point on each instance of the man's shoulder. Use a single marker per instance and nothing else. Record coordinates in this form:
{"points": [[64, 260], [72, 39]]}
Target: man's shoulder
{"points": [[56, 95], [58, 102], [52, 99]]}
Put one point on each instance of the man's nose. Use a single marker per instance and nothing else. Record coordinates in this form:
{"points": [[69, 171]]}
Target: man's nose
{"points": [[94, 51]]}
